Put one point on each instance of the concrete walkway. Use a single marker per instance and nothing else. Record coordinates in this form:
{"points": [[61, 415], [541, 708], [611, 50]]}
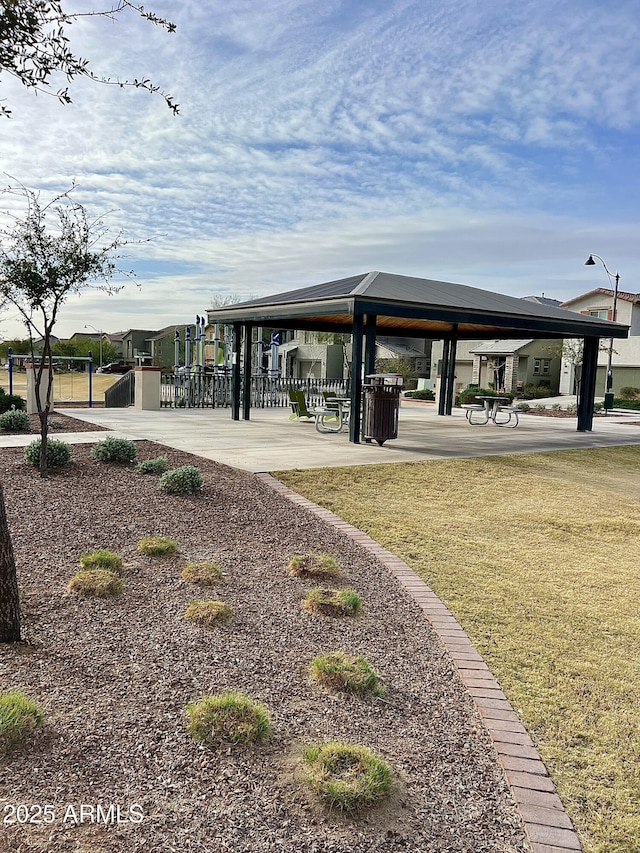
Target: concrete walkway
{"points": [[271, 442]]}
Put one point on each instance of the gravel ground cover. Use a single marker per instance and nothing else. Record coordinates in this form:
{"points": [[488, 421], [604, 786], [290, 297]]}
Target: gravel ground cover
{"points": [[115, 675]]}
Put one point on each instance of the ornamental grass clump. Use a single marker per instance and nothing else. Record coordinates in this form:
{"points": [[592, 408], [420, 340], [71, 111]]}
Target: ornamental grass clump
{"points": [[333, 602], [118, 450], [208, 612], [204, 573], [101, 559], [58, 453], [347, 777], [186, 480], [157, 546], [153, 466], [314, 566], [14, 421], [350, 673], [19, 716], [228, 717], [96, 583]]}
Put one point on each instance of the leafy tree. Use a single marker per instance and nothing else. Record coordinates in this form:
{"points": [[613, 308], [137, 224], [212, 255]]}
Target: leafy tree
{"points": [[42, 265], [19, 347], [34, 45], [81, 348]]}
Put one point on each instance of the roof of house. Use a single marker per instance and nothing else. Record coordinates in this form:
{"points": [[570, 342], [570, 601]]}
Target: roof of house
{"points": [[414, 307], [501, 347], [543, 300], [398, 348], [605, 291]]}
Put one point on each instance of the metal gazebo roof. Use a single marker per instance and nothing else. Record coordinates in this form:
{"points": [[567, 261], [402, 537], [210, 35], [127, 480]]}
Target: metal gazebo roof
{"points": [[416, 307], [375, 303]]}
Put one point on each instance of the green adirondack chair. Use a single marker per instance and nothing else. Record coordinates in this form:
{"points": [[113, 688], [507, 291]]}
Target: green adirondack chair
{"points": [[299, 406]]}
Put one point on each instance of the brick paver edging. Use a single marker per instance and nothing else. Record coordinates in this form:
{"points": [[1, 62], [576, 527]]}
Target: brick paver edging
{"points": [[547, 825]]}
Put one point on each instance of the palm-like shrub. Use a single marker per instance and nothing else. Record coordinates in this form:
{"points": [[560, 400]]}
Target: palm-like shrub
{"points": [[228, 718], [19, 716], [347, 776]]}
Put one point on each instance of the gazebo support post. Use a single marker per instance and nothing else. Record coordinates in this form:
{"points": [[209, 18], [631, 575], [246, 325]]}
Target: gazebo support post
{"points": [[370, 350], [246, 388], [588, 384], [451, 375], [444, 372], [356, 379], [235, 372]]}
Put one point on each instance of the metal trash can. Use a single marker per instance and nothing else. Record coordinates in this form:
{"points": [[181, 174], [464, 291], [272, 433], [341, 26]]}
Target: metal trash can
{"points": [[382, 402], [608, 400]]}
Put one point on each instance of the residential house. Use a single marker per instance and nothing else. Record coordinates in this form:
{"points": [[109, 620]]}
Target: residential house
{"points": [[625, 357], [135, 345], [506, 365]]}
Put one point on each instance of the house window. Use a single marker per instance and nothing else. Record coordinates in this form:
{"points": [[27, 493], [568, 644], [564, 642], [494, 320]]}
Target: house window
{"points": [[600, 313], [541, 366]]}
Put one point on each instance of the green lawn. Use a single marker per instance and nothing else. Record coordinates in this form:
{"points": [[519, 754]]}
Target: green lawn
{"points": [[538, 557]]}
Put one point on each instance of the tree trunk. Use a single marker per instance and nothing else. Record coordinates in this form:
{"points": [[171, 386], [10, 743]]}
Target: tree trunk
{"points": [[9, 601]]}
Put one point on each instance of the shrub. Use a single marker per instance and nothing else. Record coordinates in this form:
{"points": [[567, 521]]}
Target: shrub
{"points": [[97, 583], [19, 716], [535, 392], [204, 573], [101, 559], [11, 401], [58, 453], [207, 612], [114, 450], [14, 421], [54, 423], [314, 565], [228, 718], [153, 466], [157, 546], [185, 480], [422, 394], [346, 776], [628, 392], [523, 407], [333, 602], [340, 671], [468, 395], [619, 403]]}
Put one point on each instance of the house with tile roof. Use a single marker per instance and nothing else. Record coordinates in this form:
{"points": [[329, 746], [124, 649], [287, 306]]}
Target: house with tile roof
{"points": [[625, 360]]}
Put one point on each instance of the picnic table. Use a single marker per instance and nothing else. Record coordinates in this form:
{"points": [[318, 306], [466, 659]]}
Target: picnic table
{"points": [[494, 409], [333, 416]]}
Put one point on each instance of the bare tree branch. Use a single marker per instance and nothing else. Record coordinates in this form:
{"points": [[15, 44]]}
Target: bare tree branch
{"points": [[34, 45]]}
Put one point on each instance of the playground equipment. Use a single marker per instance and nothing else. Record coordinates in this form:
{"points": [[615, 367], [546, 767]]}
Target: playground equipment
{"points": [[20, 360]]}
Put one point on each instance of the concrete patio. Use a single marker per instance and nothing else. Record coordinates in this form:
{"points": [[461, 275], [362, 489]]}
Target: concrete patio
{"points": [[271, 442]]}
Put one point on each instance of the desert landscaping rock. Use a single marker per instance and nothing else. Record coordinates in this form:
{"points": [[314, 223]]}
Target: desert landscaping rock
{"points": [[114, 677]]}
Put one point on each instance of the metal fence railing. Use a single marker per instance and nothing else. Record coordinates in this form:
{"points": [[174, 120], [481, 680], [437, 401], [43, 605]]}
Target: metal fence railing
{"points": [[122, 393], [196, 389]]}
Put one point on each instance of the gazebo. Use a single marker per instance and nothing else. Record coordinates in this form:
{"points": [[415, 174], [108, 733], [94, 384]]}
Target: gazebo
{"points": [[385, 303]]}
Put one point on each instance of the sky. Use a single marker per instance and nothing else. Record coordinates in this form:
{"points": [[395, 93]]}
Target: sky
{"points": [[485, 142]]}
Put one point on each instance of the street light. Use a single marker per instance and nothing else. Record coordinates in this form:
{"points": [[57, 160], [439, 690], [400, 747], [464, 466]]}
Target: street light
{"points": [[99, 331], [591, 263]]}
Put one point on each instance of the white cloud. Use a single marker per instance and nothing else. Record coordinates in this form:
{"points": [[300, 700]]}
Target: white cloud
{"points": [[324, 137]]}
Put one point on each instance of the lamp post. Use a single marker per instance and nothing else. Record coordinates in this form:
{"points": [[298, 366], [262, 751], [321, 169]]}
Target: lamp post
{"points": [[99, 331], [591, 263]]}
